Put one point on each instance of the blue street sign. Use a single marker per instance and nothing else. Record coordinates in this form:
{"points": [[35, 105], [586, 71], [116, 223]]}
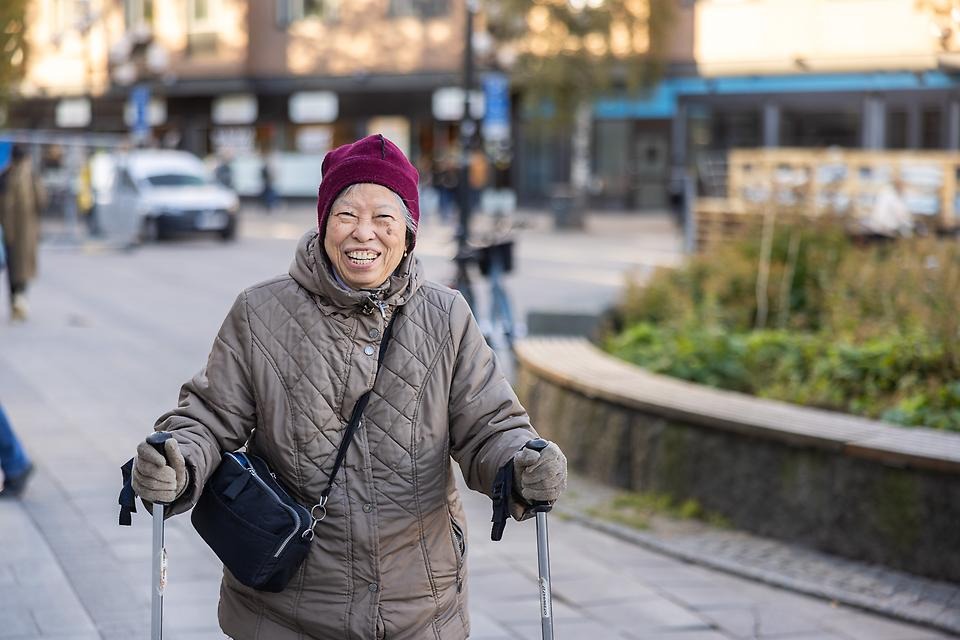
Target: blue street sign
{"points": [[496, 117], [140, 98]]}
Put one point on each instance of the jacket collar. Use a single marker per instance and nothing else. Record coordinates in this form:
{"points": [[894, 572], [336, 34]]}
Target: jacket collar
{"points": [[313, 271]]}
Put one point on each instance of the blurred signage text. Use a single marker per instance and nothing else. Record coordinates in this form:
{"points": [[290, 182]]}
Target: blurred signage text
{"points": [[239, 108], [314, 107], [73, 113], [448, 104]]}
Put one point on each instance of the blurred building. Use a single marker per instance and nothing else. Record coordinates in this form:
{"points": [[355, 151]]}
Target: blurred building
{"points": [[874, 74], [245, 79], [292, 78]]}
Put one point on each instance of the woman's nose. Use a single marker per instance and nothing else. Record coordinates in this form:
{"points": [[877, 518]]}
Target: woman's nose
{"points": [[364, 230]]}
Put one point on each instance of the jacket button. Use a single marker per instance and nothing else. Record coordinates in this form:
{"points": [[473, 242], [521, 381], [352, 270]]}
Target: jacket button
{"points": [[373, 588], [374, 333], [368, 507], [368, 350]]}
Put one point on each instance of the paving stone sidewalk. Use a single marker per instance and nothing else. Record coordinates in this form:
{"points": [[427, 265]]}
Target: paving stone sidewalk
{"points": [[102, 356], [790, 566]]}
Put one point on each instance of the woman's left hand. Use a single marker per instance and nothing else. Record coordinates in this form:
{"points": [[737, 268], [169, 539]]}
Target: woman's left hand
{"points": [[541, 476]]}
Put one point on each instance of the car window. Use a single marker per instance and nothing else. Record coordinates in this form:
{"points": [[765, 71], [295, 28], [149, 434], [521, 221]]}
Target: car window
{"points": [[175, 180]]}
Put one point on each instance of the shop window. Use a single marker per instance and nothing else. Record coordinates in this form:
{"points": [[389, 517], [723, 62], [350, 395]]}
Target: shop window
{"points": [[735, 129], [418, 8], [931, 128], [896, 137], [839, 128]]}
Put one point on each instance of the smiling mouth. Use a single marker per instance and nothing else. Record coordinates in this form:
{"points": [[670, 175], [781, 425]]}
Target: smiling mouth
{"points": [[362, 257]]}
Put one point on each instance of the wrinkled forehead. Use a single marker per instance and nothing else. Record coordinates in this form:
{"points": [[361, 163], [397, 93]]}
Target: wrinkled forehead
{"points": [[368, 195]]}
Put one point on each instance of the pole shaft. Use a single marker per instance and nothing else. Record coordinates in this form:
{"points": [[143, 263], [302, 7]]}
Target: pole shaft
{"points": [[159, 577], [543, 562]]}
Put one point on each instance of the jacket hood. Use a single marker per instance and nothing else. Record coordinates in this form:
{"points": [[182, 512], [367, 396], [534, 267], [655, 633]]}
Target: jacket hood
{"points": [[313, 271]]}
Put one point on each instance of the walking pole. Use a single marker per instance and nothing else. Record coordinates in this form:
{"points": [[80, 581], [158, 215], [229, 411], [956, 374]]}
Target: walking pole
{"points": [[543, 555], [159, 579]]}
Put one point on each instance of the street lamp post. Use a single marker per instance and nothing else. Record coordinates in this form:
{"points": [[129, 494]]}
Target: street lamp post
{"points": [[468, 129]]}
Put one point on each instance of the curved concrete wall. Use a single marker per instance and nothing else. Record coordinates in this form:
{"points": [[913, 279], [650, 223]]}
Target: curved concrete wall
{"points": [[855, 487]]}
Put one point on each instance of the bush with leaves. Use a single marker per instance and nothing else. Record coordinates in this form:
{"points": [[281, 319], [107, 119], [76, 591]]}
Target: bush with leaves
{"points": [[872, 330]]}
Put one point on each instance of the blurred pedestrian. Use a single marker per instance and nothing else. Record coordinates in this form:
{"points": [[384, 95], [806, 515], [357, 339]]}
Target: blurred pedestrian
{"points": [[21, 199], [495, 259], [14, 463], [478, 175], [447, 183], [268, 194], [889, 218], [294, 357], [223, 172]]}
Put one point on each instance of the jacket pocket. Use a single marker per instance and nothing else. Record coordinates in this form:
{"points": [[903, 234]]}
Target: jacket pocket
{"points": [[459, 549]]}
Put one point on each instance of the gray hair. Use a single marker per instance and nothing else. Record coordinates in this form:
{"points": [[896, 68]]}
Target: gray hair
{"points": [[405, 210]]}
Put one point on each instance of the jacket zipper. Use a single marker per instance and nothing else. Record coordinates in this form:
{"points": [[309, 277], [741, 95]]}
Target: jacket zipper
{"points": [[460, 549], [242, 460]]}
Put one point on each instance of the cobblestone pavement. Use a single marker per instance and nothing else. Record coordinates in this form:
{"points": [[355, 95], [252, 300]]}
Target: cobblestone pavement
{"points": [[791, 566], [111, 337]]}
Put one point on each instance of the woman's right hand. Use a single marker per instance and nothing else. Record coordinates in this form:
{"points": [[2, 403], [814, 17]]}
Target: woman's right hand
{"points": [[159, 477]]}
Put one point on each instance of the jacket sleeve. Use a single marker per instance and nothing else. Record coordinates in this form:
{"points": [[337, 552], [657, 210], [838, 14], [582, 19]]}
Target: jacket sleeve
{"points": [[487, 422], [217, 410]]}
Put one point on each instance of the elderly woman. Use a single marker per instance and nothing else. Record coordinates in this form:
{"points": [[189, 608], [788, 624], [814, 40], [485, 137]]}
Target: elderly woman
{"points": [[286, 369]]}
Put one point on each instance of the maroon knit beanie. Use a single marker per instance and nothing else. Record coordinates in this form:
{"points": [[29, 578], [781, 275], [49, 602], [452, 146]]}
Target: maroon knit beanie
{"points": [[372, 159]]}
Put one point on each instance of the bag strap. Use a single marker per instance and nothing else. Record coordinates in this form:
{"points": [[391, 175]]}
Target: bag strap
{"points": [[355, 417]]}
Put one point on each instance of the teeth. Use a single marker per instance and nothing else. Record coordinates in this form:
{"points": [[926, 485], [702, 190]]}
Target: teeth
{"points": [[362, 256]]}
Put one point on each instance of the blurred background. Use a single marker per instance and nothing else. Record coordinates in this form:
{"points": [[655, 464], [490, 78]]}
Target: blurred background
{"points": [[758, 197]]}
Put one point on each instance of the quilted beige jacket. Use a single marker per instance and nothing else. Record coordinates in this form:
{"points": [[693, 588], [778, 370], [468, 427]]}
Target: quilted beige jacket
{"points": [[291, 359]]}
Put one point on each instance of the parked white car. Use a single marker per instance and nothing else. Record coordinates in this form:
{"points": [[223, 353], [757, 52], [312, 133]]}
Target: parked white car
{"points": [[157, 193]]}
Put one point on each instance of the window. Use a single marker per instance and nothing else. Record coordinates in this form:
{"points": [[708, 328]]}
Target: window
{"points": [[423, 9], [137, 13], [289, 11], [200, 15], [931, 128], [176, 180], [201, 27], [200, 11]]}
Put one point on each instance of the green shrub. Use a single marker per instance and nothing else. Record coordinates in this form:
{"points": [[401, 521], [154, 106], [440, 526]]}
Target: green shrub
{"points": [[873, 331]]}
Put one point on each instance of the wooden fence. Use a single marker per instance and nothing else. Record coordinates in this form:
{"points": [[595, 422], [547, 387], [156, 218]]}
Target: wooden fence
{"points": [[830, 182]]}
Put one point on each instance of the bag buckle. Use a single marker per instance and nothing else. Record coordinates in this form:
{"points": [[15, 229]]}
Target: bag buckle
{"points": [[315, 517]]}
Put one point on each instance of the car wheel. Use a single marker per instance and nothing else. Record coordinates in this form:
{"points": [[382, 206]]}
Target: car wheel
{"points": [[149, 230], [229, 233]]}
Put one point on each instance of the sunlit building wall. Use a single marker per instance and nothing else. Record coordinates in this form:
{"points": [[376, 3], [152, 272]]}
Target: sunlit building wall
{"points": [[246, 79]]}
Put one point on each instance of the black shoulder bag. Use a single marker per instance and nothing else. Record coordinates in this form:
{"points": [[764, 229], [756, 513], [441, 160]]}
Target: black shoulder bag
{"points": [[248, 518]]}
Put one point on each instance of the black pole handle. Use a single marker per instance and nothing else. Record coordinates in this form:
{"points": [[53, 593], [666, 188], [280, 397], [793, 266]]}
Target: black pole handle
{"points": [[538, 445], [156, 440]]}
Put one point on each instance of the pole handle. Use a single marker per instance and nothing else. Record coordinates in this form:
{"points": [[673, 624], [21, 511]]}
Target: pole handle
{"points": [[157, 440], [538, 445]]}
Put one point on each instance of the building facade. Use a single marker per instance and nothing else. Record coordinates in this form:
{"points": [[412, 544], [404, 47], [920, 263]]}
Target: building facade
{"points": [[245, 79], [873, 74], [292, 78]]}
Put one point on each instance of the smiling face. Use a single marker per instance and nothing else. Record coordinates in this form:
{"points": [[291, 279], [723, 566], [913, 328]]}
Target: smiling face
{"points": [[365, 235]]}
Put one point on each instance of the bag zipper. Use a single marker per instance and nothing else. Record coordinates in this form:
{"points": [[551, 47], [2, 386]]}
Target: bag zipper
{"points": [[245, 463]]}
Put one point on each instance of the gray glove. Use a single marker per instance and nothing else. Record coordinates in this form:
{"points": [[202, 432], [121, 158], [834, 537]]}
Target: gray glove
{"points": [[541, 476], [157, 478]]}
